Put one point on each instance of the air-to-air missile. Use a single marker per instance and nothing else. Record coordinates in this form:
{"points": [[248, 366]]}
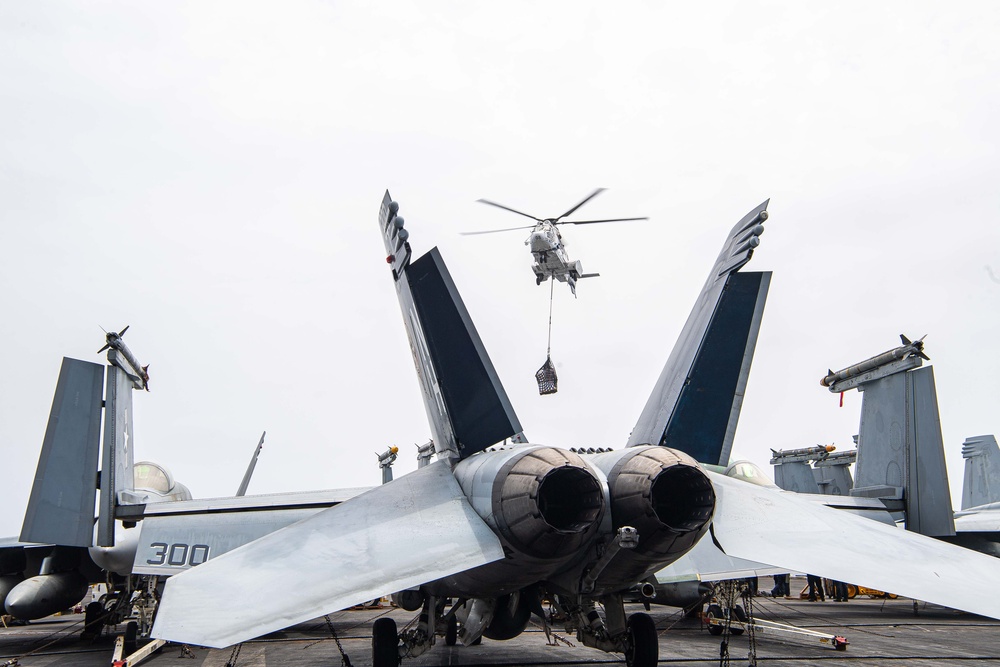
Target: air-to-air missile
{"points": [[816, 452], [385, 461], [138, 372], [907, 349]]}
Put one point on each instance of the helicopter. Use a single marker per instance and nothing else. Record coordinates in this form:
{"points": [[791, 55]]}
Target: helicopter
{"points": [[547, 246]]}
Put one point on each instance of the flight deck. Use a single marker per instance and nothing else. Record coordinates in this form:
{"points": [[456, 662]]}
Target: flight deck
{"points": [[879, 631]]}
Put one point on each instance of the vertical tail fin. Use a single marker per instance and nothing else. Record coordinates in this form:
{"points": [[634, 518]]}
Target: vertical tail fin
{"points": [[61, 505], [696, 402], [242, 491], [982, 471], [117, 476], [901, 451], [466, 404]]}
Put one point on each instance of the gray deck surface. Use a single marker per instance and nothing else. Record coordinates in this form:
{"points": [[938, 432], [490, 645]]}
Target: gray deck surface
{"points": [[879, 631]]}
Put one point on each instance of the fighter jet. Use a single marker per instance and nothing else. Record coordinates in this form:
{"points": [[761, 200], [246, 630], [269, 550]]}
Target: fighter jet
{"points": [[494, 527]]}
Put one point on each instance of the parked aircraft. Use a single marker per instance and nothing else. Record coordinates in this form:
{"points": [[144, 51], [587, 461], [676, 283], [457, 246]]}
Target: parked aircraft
{"points": [[900, 454], [494, 527]]}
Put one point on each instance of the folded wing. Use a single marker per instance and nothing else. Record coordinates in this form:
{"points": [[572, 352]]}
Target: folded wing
{"points": [[415, 529]]}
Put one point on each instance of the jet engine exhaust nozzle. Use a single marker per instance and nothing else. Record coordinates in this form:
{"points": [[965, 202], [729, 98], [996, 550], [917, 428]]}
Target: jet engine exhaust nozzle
{"points": [[547, 502], [544, 502], [664, 495]]}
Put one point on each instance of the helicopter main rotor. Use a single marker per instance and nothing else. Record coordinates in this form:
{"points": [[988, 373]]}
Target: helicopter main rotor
{"points": [[552, 221]]}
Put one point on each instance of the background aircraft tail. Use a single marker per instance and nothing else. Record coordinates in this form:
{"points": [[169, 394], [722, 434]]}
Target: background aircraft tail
{"points": [[901, 451], [117, 476], [61, 506], [696, 402], [982, 471], [466, 404]]}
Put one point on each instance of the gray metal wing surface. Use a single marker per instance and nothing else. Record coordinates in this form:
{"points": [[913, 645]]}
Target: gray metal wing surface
{"points": [[696, 402], [415, 529], [706, 562], [797, 535]]}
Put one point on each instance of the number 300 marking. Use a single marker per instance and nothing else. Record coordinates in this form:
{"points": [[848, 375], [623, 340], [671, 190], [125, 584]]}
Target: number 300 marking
{"points": [[178, 554]]}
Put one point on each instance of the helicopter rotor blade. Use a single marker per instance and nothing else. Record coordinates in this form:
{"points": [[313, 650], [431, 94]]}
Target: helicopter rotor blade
{"points": [[507, 208], [585, 200], [493, 231], [590, 222]]}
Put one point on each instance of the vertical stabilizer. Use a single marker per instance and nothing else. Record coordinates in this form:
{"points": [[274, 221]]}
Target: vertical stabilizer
{"points": [[61, 506], [116, 469], [982, 471], [695, 405], [467, 406], [901, 451], [796, 476]]}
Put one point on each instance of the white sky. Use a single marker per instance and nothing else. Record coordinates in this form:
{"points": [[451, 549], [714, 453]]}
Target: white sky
{"points": [[210, 174]]}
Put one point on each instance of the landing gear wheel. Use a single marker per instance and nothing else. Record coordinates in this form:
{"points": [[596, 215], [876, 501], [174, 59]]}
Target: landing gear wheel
{"points": [[714, 611], [737, 613], [451, 631], [131, 631], [93, 621], [385, 643], [643, 644]]}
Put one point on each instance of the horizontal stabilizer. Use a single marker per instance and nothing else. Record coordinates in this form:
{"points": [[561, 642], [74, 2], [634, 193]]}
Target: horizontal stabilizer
{"points": [[696, 403], [61, 505], [415, 529], [705, 562], [797, 535]]}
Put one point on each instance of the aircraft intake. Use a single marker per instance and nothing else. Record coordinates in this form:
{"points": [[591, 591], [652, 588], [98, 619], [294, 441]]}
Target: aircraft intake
{"points": [[665, 496]]}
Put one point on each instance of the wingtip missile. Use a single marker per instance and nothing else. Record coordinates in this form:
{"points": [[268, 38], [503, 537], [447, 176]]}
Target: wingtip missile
{"points": [[137, 371], [907, 349]]}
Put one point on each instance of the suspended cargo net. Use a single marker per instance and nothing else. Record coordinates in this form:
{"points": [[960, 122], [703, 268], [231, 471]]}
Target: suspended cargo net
{"points": [[548, 382]]}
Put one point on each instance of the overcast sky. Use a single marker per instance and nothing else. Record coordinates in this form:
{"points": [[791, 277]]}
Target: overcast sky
{"points": [[211, 173]]}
